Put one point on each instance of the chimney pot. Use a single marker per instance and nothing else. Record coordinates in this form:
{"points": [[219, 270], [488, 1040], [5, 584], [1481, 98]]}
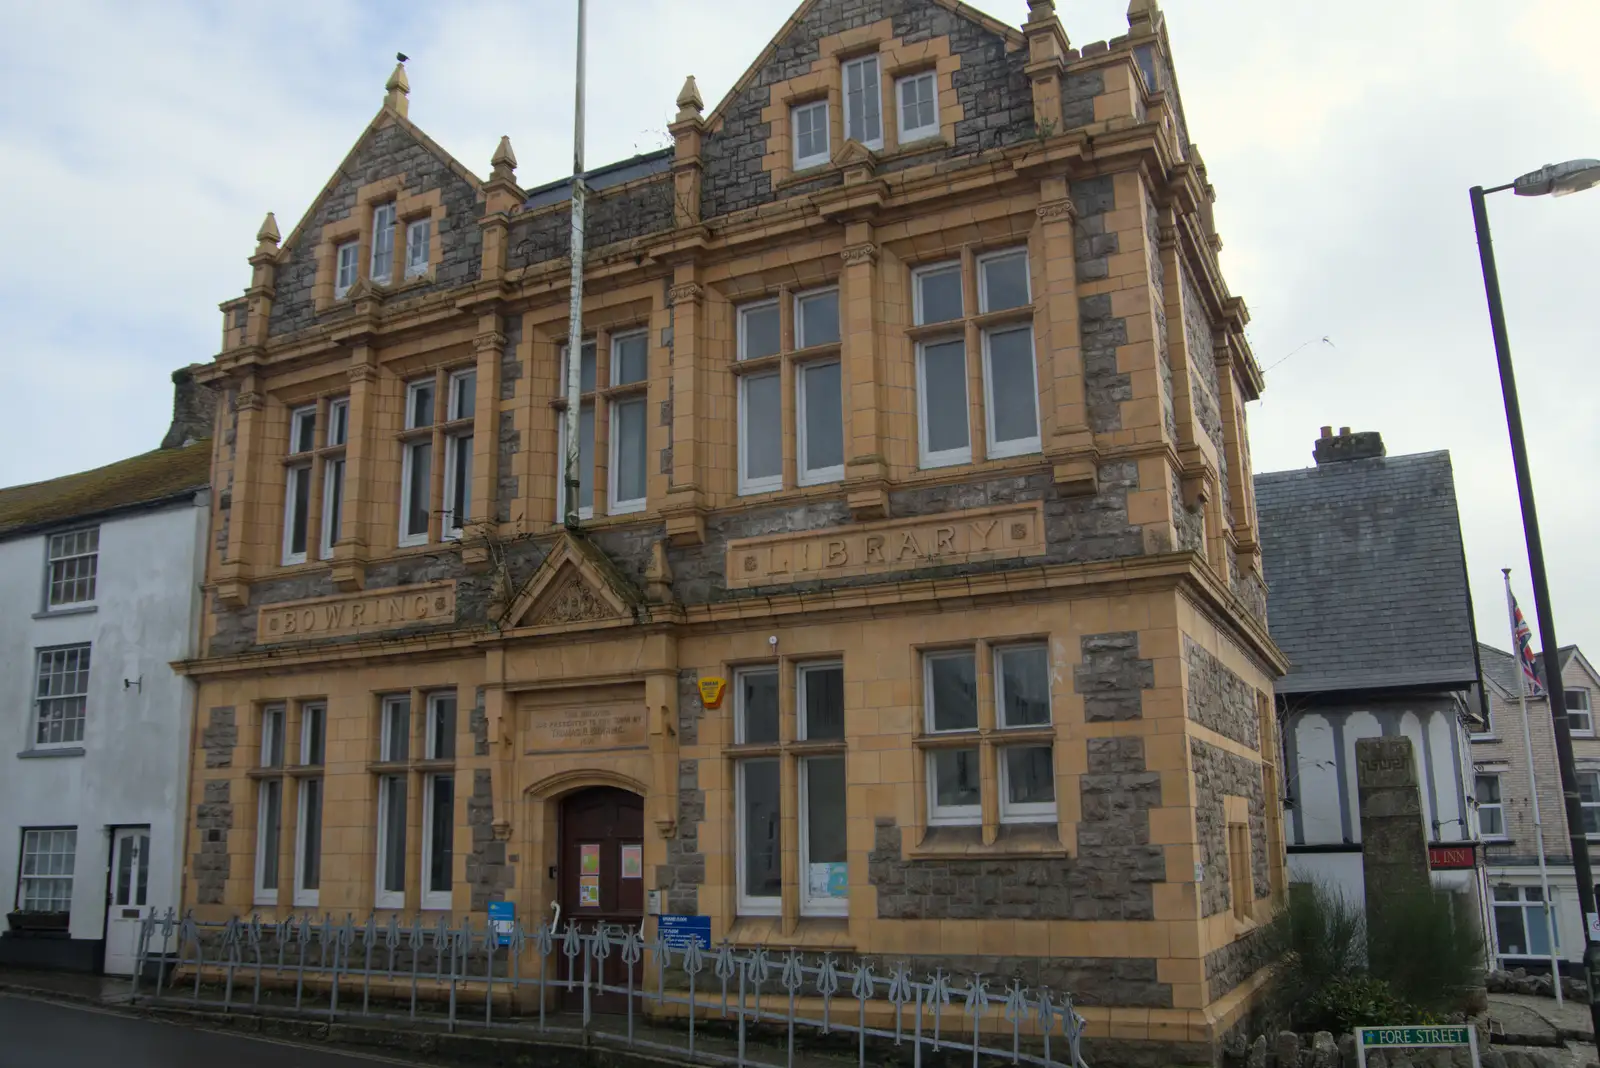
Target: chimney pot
{"points": [[1344, 432], [1327, 431], [1329, 449]]}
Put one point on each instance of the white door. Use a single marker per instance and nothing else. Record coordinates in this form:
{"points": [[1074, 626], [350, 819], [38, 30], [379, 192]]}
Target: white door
{"points": [[130, 887]]}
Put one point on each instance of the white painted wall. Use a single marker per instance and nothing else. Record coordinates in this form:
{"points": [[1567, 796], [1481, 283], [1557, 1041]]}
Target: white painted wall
{"points": [[133, 770]]}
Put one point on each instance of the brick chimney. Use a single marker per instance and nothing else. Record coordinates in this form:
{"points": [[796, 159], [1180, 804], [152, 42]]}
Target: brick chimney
{"points": [[1333, 448], [194, 409]]}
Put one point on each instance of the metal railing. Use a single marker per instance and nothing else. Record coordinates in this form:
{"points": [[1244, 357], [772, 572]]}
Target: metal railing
{"points": [[721, 1004]]}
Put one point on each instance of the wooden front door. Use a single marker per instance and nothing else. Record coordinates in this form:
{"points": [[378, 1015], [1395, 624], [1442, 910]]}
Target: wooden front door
{"points": [[602, 873]]}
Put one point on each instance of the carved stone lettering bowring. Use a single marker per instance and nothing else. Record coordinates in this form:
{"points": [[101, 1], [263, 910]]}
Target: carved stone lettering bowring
{"points": [[361, 613], [894, 545]]}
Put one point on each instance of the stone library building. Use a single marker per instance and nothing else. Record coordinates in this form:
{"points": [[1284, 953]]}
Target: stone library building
{"points": [[913, 609]]}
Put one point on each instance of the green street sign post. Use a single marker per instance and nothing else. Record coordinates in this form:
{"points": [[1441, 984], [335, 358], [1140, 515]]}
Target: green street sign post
{"points": [[1413, 1037]]}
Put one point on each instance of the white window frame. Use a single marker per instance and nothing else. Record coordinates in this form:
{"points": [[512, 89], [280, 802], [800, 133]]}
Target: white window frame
{"points": [[70, 853], [1589, 805], [293, 473], [739, 676], [1025, 811], [816, 159], [1587, 712], [434, 700], [909, 134], [926, 457], [999, 653], [408, 448], [452, 525], [435, 900], [801, 671], [346, 267], [62, 548], [274, 722], [919, 313], [800, 341], [263, 894], [1527, 906], [814, 476], [307, 719], [418, 268], [814, 906], [85, 652], [381, 270], [765, 483], [747, 904], [386, 732], [381, 898], [1499, 807], [997, 449], [338, 432], [875, 85], [303, 895], [616, 504], [333, 468], [948, 815]]}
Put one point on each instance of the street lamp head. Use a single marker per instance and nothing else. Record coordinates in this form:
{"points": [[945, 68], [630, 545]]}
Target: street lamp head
{"points": [[1573, 176]]}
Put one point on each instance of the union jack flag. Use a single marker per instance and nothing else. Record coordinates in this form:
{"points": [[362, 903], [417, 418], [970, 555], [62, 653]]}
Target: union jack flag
{"points": [[1523, 637]]}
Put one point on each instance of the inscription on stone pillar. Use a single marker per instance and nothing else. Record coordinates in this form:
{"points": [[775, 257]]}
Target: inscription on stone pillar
{"points": [[1394, 844]]}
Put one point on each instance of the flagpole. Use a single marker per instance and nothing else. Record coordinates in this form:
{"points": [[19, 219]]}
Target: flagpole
{"points": [[570, 476], [1533, 788]]}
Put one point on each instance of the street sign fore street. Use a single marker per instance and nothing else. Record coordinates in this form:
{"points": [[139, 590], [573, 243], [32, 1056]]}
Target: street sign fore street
{"points": [[1372, 1037], [1402, 1036]]}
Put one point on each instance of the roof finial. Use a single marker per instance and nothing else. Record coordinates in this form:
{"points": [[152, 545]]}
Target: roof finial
{"points": [[504, 161], [1143, 15], [689, 103], [398, 86], [269, 230]]}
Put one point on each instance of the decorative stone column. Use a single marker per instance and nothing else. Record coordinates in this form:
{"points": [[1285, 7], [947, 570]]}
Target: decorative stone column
{"points": [[1070, 446], [866, 472]]}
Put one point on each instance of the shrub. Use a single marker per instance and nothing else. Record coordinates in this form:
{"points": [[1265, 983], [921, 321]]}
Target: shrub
{"points": [[1350, 1001], [1429, 956], [1318, 938]]}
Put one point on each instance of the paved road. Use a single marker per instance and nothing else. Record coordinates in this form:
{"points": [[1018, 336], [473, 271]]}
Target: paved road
{"points": [[43, 1034]]}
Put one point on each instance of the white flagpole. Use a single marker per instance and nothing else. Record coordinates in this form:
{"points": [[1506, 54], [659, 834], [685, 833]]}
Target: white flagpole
{"points": [[1533, 789], [569, 474]]}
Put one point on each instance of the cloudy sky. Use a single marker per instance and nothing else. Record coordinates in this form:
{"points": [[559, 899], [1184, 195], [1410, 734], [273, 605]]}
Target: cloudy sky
{"points": [[144, 142]]}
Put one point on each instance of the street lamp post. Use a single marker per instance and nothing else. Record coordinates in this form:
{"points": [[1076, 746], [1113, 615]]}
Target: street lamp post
{"points": [[1558, 179]]}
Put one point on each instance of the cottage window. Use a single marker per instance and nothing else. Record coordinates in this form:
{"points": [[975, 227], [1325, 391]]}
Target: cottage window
{"points": [[61, 696], [919, 107], [1491, 810], [1589, 797], [863, 104], [1519, 922], [49, 857], [810, 122], [1580, 717], [74, 564]]}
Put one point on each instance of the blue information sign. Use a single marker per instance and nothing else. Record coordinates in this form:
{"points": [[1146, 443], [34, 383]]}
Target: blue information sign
{"points": [[679, 931], [502, 918]]}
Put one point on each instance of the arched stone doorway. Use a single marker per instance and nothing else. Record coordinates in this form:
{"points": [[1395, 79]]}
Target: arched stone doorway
{"points": [[600, 873]]}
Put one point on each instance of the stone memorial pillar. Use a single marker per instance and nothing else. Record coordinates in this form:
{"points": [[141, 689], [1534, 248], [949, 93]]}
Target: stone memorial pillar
{"points": [[1394, 843]]}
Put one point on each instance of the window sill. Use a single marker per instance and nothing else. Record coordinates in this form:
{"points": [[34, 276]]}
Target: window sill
{"points": [[809, 933], [49, 754], [1015, 841], [1487, 738], [75, 610]]}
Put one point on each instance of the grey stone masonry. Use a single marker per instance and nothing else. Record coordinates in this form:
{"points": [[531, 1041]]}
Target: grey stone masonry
{"points": [[489, 872], [990, 85], [1219, 698], [1248, 587], [1112, 676], [608, 217], [1394, 843], [219, 736], [213, 821], [1109, 879], [382, 154], [1105, 388], [1077, 97], [1237, 961], [478, 723], [1219, 774]]}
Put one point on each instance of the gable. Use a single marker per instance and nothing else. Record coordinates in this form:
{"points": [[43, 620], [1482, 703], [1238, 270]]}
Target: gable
{"points": [[991, 82], [390, 149], [575, 585]]}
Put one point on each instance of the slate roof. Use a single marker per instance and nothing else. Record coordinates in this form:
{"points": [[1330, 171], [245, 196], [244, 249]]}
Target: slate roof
{"points": [[1366, 574], [139, 480]]}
